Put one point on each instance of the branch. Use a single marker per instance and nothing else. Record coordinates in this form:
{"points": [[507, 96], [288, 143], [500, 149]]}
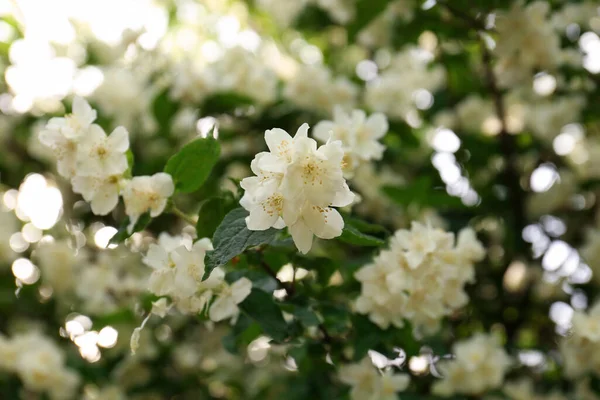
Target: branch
{"points": [[288, 288], [473, 22], [511, 175], [182, 215]]}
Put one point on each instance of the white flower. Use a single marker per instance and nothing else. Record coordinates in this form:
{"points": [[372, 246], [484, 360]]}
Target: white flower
{"points": [[62, 135], [580, 350], [59, 263], [313, 88], [296, 185], [480, 365], [147, 194], [368, 384], [102, 155], [420, 278], [74, 125], [225, 306], [102, 192], [357, 133]]}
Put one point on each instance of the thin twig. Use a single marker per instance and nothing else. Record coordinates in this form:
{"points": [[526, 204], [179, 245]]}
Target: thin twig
{"points": [[288, 288], [182, 215]]}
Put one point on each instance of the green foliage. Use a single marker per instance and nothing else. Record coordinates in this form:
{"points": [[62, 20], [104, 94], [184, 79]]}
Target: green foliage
{"points": [[366, 11], [261, 307], [232, 237], [191, 166], [124, 233], [212, 211]]}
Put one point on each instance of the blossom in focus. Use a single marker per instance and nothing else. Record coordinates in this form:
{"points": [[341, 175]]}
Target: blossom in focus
{"points": [[359, 135], [297, 185], [102, 155]]}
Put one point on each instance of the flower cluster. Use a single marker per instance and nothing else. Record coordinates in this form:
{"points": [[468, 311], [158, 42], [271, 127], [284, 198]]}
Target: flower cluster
{"points": [[39, 363], [420, 278], [178, 272], [313, 88], [580, 351], [393, 92], [359, 135], [527, 42], [480, 364], [238, 70], [96, 164], [297, 185], [369, 384]]}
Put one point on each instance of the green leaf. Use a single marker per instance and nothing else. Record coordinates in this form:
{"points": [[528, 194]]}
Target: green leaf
{"points": [[366, 11], [232, 237], [423, 193], [123, 234], [260, 280], [306, 316], [192, 165], [225, 103], [261, 307], [212, 211], [353, 236]]}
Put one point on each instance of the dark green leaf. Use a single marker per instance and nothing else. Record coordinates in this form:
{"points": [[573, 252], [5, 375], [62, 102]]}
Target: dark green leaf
{"points": [[353, 236], [261, 307], [225, 103], [366, 11], [212, 211], [232, 237], [260, 280], [192, 165], [123, 234]]}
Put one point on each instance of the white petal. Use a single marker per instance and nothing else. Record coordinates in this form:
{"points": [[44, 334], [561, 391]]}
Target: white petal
{"points": [[105, 201], [240, 289], [156, 257], [119, 140], [302, 236], [260, 219], [223, 308], [83, 111], [343, 197], [325, 223], [277, 139], [51, 138], [323, 130], [378, 125], [162, 183], [302, 132]]}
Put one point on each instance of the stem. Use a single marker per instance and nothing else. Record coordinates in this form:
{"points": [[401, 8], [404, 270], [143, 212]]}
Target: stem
{"points": [[182, 215], [508, 147], [471, 21]]}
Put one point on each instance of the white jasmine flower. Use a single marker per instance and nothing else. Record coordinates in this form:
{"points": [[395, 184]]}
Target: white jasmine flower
{"points": [[580, 349], [62, 135], [480, 365], [359, 135], [102, 192], [76, 124], [102, 155], [296, 185], [225, 306], [161, 307], [421, 278], [59, 263], [368, 384], [147, 194], [313, 88]]}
